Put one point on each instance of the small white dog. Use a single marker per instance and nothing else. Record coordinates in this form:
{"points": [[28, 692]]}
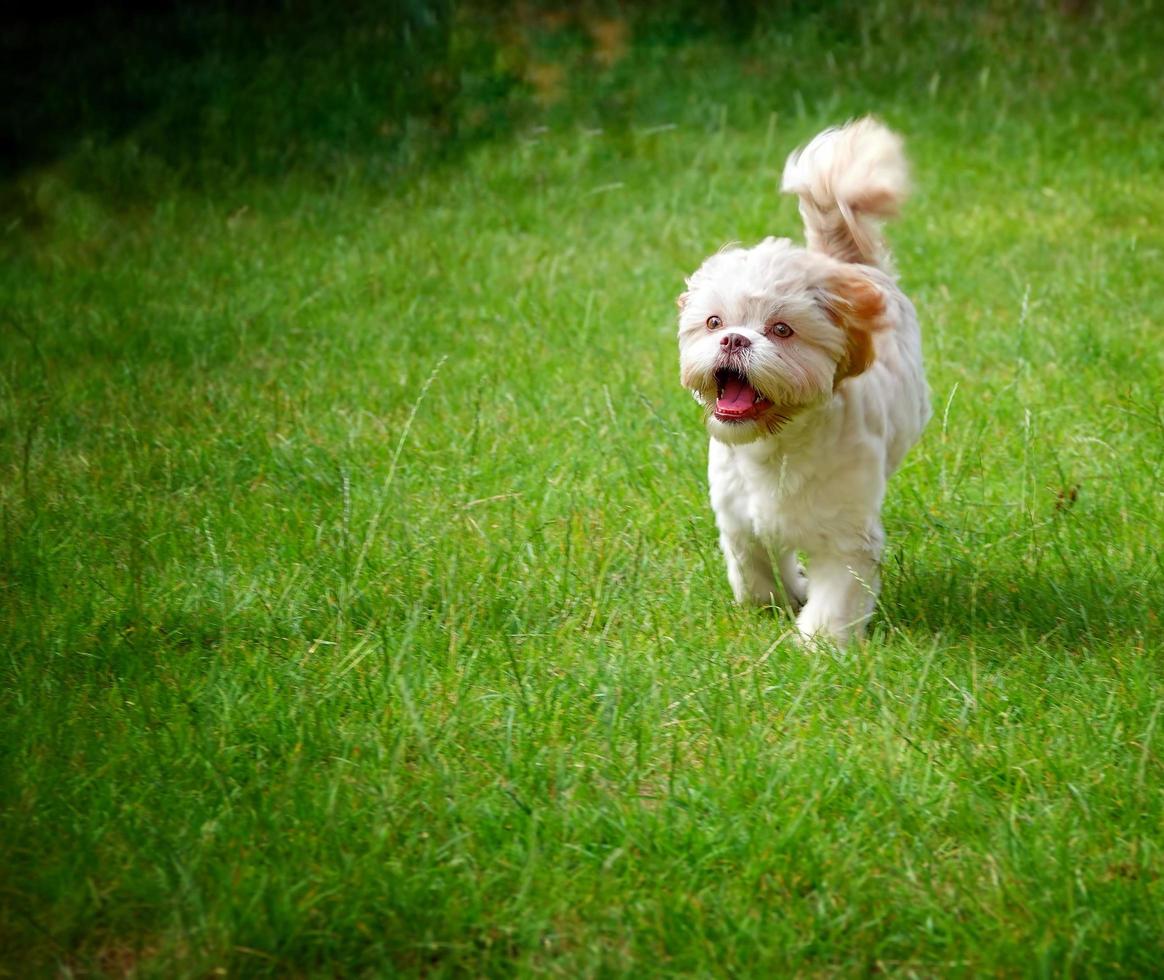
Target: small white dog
{"points": [[809, 363]]}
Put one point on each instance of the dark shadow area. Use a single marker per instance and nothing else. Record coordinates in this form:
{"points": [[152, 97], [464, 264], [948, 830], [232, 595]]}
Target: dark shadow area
{"points": [[264, 86], [251, 84], [1062, 607]]}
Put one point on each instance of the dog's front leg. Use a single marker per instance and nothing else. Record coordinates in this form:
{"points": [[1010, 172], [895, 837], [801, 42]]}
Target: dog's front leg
{"points": [[749, 568], [842, 590]]}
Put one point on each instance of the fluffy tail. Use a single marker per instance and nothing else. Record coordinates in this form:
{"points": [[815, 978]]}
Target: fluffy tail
{"points": [[849, 179]]}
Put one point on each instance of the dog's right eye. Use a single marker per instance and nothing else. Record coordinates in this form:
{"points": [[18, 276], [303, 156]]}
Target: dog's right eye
{"points": [[714, 323]]}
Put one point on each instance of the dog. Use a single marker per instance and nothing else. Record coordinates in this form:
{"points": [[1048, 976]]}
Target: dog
{"points": [[808, 362]]}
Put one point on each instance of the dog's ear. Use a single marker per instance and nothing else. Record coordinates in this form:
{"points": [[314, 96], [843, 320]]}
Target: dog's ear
{"points": [[856, 304], [681, 300]]}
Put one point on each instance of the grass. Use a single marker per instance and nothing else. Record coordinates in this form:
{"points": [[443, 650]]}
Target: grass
{"points": [[360, 598]]}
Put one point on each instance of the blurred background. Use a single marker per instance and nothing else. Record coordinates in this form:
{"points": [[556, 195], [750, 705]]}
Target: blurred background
{"points": [[199, 88]]}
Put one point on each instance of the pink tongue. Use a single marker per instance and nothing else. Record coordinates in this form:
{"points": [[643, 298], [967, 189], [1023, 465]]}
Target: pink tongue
{"points": [[737, 397]]}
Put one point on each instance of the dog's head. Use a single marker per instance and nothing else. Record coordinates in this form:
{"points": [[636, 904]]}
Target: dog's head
{"points": [[768, 331]]}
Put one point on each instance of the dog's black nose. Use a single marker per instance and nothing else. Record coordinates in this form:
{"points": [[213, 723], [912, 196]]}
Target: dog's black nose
{"points": [[734, 342]]}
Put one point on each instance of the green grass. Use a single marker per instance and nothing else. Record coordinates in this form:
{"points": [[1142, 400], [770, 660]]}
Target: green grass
{"points": [[361, 605]]}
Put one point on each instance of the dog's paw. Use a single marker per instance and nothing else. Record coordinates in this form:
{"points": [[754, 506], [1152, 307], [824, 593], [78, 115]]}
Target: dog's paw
{"points": [[817, 621]]}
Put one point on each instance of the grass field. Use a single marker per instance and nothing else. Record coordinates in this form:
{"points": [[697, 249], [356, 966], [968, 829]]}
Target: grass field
{"points": [[360, 601]]}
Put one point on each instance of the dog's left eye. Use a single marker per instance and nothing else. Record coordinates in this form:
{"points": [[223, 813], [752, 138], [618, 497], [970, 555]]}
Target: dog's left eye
{"points": [[714, 322], [781, 329]]}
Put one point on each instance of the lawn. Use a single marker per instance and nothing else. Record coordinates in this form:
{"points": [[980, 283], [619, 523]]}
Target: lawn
{"points": [[360, 602]]}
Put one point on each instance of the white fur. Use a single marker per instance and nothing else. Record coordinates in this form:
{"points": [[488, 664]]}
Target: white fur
{"points": [[848, 179], [809, 475]]}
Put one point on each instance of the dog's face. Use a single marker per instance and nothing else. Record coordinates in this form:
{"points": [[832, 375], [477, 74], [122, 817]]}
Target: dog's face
{"points": [[768, 331]]}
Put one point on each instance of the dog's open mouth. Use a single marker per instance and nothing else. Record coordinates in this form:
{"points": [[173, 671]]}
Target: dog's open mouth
{"points": [[737, 400]]}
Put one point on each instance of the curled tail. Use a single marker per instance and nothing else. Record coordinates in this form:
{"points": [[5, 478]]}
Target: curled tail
{"points": [[849, 179]]}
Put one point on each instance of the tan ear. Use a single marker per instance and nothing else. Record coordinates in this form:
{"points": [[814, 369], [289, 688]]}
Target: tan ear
{"points": [[855, 304], [681, 300]]}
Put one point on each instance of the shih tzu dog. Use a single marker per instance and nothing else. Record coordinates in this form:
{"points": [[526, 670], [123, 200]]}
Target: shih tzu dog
{"points": [[808, 362]]}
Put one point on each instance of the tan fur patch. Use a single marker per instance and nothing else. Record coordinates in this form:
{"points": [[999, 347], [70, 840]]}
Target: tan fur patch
{"points": [[857, 305], [858, 356]]}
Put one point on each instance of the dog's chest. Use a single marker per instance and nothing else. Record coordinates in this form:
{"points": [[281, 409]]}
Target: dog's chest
{"points": [[776, 496], [780, 498]]}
